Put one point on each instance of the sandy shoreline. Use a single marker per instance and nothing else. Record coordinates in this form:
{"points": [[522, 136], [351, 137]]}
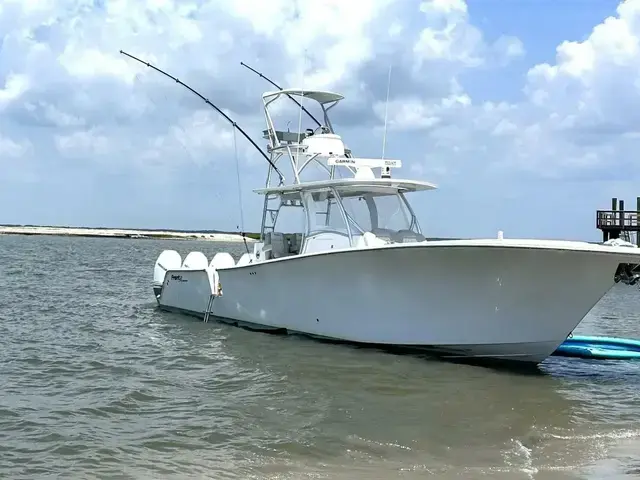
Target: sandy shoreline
{"points": [[121, 233]]}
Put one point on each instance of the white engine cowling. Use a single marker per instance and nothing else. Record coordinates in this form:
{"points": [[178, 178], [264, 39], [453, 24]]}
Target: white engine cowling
{"points": [[219, 260], [245, 259], [167, 260], [195, 261], [222, 260]]}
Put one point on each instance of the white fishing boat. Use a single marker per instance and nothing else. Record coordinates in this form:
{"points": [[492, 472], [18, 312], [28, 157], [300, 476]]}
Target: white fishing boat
{"points": [[360, 269]]}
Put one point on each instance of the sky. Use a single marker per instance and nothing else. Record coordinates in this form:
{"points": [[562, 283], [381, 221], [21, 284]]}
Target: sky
{"points": [[525, 114]]}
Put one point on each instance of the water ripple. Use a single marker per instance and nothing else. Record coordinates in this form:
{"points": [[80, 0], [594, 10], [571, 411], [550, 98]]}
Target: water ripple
{"points": [[95, 382]]}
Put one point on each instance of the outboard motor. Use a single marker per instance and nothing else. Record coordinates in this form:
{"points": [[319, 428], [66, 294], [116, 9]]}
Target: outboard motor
{"points": [[168, 260]]}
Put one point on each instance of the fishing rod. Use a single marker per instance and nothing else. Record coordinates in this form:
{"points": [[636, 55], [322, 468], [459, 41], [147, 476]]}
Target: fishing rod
{"points": [[206, 100], [280, 88]]}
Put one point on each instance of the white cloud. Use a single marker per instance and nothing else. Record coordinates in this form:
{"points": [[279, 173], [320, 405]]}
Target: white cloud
{"points": [[449, 35], [587, 75], [589, 100], [85, 63], [579, 115], [14, 87], [65, 88], [412, 114], [12, 149], [85, 144], [199, 138], [508, 47]]}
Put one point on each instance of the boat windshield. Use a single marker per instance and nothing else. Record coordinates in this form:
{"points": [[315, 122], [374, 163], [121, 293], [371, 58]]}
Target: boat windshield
{"points": [[371, 213]]}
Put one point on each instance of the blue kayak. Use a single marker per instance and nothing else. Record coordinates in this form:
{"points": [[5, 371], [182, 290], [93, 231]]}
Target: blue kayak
{"points": [[603, 348]]}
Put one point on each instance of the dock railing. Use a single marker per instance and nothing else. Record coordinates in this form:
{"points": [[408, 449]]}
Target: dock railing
{"points": [[617, 220]]}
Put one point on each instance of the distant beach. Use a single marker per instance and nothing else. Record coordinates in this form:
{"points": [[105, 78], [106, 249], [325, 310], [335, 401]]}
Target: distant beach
{"points": [[122, 233]]}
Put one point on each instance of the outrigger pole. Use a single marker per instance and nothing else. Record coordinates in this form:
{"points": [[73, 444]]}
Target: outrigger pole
{"points": [[280, 88], [206, 100]]}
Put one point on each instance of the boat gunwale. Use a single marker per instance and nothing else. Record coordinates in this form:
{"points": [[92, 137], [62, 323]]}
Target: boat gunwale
{"points": [[592, 249]]}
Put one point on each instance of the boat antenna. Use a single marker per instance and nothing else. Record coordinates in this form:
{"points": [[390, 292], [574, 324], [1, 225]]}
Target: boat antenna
{"points": [[280, 88], [386, 107], [206, 100], [304, 65]]}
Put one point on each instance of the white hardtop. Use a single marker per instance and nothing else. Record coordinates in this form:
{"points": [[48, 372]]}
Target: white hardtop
{"points": [[335, 216], [352, 186], [320, 96]]}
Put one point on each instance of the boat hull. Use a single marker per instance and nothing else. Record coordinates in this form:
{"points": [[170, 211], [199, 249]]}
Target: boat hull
{"points": [[465, 299]]}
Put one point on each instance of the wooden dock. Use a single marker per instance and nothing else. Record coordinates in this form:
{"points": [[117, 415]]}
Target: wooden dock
{"points": [[619, 223]]}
